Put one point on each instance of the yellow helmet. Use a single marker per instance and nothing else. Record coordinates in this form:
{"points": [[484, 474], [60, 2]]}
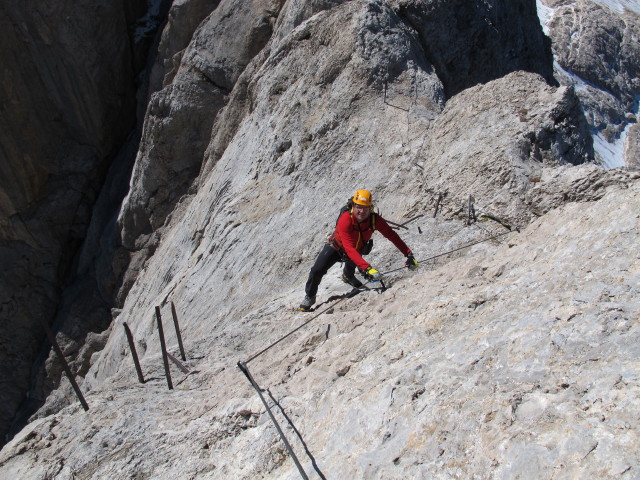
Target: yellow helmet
{"points": [[363, 197]]}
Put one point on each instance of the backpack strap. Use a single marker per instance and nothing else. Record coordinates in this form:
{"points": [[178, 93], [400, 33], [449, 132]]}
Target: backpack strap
{"points": [[346, 208]]}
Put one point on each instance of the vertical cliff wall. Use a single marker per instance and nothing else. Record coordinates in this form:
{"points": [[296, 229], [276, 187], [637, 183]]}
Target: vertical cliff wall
{"points": [[68, 99]]}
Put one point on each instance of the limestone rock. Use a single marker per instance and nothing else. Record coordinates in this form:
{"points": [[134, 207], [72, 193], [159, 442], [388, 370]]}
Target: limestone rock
{"points": [[179, 117], [68, 99], [492, 39], [512, 357], [294, 12], [632, 151], [600, 47], [540, 126], [598, 52], [182, 21], [516, 359]]}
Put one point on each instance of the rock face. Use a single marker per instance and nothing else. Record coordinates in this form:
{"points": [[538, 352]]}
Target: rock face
{"points": [[516, 359], [540, 126], [600, 47], [512, 359], [183, 19], [632, 147], [68, 98], [215, 59], [492, 39], [179, 117], [598, 52]]}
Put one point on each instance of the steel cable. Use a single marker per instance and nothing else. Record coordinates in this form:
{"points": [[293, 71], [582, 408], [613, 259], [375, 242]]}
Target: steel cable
{"points": [[344, 297]]}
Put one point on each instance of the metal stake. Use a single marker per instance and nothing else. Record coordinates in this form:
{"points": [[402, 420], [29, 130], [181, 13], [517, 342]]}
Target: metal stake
{"points": [[163, 346], [175, 324], [177, 363], [242, 366], [471, 215], [435, 212], [132, 345], [65, 365], [411, 220]]}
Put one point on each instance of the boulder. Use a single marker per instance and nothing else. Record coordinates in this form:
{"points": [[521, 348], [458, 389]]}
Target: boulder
{"points": [[540, 126]]}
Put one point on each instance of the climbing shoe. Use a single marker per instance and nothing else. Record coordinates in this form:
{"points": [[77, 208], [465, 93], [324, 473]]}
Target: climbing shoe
{"points": [[353, 281], [306, 304]]}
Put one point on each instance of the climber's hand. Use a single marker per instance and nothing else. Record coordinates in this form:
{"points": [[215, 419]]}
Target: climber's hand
{"points": [[372, 274], [411, 262]]}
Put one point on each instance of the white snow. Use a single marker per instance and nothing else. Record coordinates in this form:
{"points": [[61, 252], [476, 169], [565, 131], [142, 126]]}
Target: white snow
{"points": [[544, 14], [610, 155]]}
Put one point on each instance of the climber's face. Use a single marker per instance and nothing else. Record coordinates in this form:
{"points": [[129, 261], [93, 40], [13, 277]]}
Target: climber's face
{"points": [[361, 213]]}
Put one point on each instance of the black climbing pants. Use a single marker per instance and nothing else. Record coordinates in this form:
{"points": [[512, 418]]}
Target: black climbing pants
{"points": [[327, 258]]}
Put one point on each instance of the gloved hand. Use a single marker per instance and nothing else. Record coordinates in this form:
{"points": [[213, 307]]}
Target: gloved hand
{"points": [[372, 274], [411, 262]]}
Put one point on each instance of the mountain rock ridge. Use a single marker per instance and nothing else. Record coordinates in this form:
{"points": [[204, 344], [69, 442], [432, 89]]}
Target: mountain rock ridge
{"points": [[257, 183], [546, 383], [595, 49]]}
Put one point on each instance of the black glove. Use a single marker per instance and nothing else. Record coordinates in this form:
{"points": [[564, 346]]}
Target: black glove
{"points": [[411, 262]]}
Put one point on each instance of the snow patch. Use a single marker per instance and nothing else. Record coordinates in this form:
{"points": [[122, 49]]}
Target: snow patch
{"points": [[610, 155], [544, 15], [579, 83]]}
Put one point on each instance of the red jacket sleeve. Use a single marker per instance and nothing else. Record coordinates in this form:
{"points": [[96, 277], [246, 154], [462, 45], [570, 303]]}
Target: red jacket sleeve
{"points": [[390, 233]]}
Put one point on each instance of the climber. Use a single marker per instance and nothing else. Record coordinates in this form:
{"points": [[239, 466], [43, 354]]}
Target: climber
{"points": [[350, 240]]}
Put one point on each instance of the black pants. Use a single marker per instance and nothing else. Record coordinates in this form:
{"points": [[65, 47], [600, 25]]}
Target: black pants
{"points": [[327, 258]]}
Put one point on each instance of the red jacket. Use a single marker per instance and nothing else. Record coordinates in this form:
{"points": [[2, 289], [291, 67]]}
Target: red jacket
{"points": [[351, 236]]}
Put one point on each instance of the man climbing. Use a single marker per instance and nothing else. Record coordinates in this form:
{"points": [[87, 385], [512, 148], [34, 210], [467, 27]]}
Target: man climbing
{"points": [[350, 240]]}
